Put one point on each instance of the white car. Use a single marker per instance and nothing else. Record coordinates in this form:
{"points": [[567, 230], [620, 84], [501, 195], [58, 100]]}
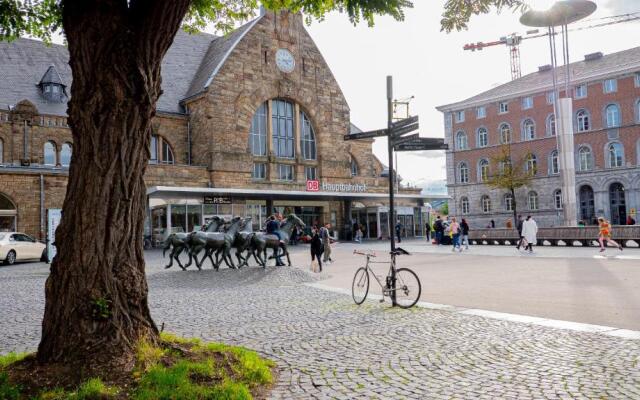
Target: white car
{"points": [[16, 246]]}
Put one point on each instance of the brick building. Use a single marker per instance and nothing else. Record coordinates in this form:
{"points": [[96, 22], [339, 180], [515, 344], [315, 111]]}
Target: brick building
{"points": [[248, 124], [606, 105]]}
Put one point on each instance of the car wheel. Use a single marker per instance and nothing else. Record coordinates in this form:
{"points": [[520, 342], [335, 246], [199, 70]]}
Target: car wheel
{"points": [[11, 258], [44, 257]]}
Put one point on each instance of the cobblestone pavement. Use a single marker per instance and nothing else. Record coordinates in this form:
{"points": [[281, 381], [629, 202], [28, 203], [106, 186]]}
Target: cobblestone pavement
{"points": [[327, 347]]}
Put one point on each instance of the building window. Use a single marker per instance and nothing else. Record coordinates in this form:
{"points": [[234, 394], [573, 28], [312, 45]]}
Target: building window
{"points": [[638, 110], [354, 167], [551, 125], [485, 204], [551, 97], [637, 79], [483, 170], [258, 133], [580, 92], [527, 102], [161, 152], [508, 202], [307, 138], [310, 173], [554, 166], [481, 112], [282, 119], [533, 201], [461, 140], [50, 153], [1, 151], [483, 137], [505, 134], [528, 130], [259, 171], [615, 155], [463, 172], [459, 116], [585, 159], [504, 166], [610, 85], [464, 205], [582, 117], [532, 164], [65, 154], [285, 172], [557, 199], [503, 107], [612, 114]]}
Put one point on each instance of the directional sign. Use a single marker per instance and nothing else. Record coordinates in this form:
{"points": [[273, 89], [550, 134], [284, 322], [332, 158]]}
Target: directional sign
{"points": [[405, 139], [420, 147], [395, 132], [366, 135], [404, 122]]}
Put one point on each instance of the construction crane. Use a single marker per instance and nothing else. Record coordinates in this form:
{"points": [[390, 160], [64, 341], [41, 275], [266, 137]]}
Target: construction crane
{"points": [[513, 40]]}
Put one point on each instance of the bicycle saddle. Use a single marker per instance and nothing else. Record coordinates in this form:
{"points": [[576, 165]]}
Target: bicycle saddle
{"points": [[400, 251]]}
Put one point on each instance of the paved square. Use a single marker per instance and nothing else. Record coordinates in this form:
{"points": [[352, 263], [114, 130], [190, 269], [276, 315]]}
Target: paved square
{"points": [[327, 347]]}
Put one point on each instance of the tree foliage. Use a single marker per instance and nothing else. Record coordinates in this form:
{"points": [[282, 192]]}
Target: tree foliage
{"points": [[509, 174], [457, 13]]}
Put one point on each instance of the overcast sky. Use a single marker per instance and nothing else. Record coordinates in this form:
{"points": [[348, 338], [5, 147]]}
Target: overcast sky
{"points": [[432, 66]]}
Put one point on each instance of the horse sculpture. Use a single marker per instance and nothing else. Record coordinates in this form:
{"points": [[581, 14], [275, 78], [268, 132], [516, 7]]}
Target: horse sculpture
{"points": [[260, 242], [195, 242], [214, 242], [183, 241], [242, 243]]}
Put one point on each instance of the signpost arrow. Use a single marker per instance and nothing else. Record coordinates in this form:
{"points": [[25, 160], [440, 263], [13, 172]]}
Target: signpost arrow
{"points": [[366, 135], [395, 132], [420, 146], [405, 139], [404, 122]]}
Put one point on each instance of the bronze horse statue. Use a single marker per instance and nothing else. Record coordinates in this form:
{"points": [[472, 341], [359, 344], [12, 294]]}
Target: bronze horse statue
{"points": [[217, 242], [216, 224], [260, 241], [178, 242], [242, 243]]}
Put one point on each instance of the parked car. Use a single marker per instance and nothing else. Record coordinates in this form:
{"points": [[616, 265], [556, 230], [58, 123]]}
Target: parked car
{"points": [[16, 246]]}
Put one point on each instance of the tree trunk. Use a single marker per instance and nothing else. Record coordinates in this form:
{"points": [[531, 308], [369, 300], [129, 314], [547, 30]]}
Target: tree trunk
{"points": [[515, 208], [96, 295]]}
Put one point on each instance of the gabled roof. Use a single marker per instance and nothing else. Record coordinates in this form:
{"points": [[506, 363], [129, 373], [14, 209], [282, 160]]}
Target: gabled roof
{"points": [[582, 71], [51, 76]]}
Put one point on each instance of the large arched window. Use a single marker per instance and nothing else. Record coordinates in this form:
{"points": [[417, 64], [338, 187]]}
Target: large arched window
{"points": [[464, 205], [533, 201], [505, 133], [615, 155], [258, 133], [50, 151], [307, 138], [528, 130], [461, 140], [585, 159], [612, 116], [65, 154], [483, 137], [283, 135], [554, 166], [161, 151], [551, 125], [485, 204], [8, 214], [532, 164], [483, 170], [583, 121], [463, 172]]}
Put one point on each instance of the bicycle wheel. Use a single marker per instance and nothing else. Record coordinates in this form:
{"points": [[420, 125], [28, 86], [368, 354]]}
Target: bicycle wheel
{"points": [[408, 288], [360, 286]]}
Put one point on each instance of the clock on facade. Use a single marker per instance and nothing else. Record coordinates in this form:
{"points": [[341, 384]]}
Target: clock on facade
{"points": [[285, 61]]}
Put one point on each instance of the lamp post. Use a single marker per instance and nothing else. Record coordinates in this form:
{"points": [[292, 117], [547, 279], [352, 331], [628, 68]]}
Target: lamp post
{"points": [[561, 14]]}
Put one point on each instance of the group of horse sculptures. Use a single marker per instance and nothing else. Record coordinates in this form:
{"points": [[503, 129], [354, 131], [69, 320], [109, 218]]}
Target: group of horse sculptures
{"points": [[219, 236]]}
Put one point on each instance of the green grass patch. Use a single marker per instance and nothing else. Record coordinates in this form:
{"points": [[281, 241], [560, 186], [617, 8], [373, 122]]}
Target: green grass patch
{"points": [[11, 358]]}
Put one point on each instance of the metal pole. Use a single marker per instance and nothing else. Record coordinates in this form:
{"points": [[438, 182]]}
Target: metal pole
{"points": [[392, 216]]}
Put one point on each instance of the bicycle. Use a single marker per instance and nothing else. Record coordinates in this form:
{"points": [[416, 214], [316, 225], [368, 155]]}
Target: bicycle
{"points": [[407, 285]]}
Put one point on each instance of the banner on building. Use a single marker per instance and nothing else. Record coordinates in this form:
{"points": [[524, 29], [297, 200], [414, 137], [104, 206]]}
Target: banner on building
{"points": [[53, 220]]}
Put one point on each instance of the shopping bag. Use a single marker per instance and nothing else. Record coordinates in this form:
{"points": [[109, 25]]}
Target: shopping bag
{"points": [[315, 267]]}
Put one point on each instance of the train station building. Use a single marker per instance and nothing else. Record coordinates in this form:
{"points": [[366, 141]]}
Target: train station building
{"points": [[248, 124]]}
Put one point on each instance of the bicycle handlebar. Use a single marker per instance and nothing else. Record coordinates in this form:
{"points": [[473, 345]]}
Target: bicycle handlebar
{"points": [[372, 254]]}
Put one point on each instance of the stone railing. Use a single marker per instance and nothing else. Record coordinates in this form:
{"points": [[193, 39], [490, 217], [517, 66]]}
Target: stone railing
{"points": [[586, 236]]}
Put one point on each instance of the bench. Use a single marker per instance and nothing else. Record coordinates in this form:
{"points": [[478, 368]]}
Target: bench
{"points": [[586, 236]]}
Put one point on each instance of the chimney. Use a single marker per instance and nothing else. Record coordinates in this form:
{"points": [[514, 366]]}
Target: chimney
{"points": [[593, 56]]}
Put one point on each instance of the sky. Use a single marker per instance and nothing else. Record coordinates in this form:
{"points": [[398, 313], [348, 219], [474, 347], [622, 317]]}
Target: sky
{"points": [[432, 66]]}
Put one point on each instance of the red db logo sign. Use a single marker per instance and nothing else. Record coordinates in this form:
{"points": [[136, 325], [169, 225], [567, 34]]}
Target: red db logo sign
{"points": [[313, 186]]}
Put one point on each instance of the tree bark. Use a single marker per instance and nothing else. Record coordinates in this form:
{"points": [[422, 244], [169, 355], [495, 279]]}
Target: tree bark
{"points": [[96, 295], [515, 207]]}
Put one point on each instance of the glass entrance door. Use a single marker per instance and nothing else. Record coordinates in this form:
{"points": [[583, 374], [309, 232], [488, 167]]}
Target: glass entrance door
{"points": [[617, 204], [587, 205]]}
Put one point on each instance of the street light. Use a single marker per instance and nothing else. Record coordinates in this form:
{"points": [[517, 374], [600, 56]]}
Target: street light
{"points": [[561, 14]]}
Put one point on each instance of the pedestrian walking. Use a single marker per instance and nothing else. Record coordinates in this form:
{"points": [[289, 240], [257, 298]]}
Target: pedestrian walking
{"points": [[427, 230], [454, 229], [326, 242], [604, 235], [493, 224], [464, 232], [521, 239], [316, 248], [358, 233], [439, 229], [399, 231], [529, 231]]}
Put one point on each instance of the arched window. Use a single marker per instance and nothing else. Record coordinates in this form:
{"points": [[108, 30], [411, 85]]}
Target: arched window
{"points": [[483, 137], [585, 159], [533, 201], [557, 199], [483, 170], [612, 114], [615, 155], [307, 138], [354, 167], [528, 130], [532, 164], [461, 140], [583, 121], [258, 133], [508, 202], [485, 204], [65, 154], [505, 166], [505, 133], [463, 172], [551, 125], [282, 120], [161, 152], [50, 151], [8, 214], [554, 166], [464, 205]]}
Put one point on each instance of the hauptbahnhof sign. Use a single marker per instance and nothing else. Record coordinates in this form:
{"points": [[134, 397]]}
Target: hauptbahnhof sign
{"points": [[316, 186]]}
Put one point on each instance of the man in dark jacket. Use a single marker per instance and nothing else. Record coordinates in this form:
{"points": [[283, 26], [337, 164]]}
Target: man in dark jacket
{"points": [[317, 248], [273, 228], [439, 229], [519, 227]]}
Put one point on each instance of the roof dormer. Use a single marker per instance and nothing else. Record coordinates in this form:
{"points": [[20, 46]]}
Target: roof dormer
{"points": [[51, 86]]}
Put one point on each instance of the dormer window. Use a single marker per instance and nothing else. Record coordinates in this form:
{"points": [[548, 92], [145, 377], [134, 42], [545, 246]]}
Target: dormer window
{"points": [[52, 87]]}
